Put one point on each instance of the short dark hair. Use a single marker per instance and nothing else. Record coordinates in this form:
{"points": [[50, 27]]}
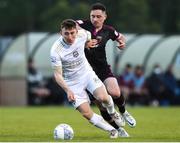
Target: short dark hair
{"points": [[98, 6], [68, 24]]}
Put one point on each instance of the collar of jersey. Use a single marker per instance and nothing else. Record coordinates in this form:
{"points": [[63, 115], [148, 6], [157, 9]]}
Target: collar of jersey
{"points": [[66, 45]]}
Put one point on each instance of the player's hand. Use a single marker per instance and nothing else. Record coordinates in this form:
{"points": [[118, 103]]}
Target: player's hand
{"points": [[121, 41], [70, 96], [91, 43]]}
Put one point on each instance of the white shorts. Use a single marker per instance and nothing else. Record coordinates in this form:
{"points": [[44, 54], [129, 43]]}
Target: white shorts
{"points": [[88, 81]]}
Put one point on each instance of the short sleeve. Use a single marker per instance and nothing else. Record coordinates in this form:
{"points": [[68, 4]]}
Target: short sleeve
{"points": [[85, 24], [113, 34], [80, 22], [55, 59]]}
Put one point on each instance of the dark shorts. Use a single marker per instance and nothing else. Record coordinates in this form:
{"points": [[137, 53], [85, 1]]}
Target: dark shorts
{"points": [[103, 72]]}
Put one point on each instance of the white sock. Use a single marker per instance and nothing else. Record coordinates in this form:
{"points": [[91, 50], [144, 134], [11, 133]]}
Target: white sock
{"points": [[99, 122], [109, 106]]}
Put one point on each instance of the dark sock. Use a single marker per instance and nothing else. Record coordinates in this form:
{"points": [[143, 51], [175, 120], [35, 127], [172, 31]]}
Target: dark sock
{"points": [[108, 118], [120, 102], [114, 125]]}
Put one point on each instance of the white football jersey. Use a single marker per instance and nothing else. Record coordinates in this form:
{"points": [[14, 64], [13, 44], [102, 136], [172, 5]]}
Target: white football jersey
{"points": [[71, 57]]}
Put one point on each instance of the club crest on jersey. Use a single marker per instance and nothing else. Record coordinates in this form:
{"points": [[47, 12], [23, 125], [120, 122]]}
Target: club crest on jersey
{"points": [[75, 54]]}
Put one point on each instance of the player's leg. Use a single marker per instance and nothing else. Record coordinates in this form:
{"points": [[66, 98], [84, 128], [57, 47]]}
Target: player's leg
{"points": [[81, 103], [118, 98], [107, 117], [96, 119], [112, 87], [104, 113], [114, 90], [121, 131], [97, 88], [100, 93]]}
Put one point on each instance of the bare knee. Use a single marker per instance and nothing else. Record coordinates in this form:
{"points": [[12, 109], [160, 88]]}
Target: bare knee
{"points": [[104, 98], [99, 105], [112, 87], [114, 93], [87, 115], [101, 94], [85, 110]]}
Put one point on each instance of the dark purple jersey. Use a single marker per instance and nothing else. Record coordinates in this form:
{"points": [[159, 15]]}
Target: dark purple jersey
{"points": [[97, 56]]}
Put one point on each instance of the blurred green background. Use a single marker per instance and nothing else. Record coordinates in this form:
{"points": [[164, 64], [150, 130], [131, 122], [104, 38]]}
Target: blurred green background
{"points": [[128, 16]]}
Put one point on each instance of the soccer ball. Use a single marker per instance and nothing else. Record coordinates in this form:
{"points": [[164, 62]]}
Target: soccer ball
{"points": [[63, 131]]}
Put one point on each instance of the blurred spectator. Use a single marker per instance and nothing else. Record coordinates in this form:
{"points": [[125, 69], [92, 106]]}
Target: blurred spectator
{"points": [[172, 87], [125, 80], [43, 91], [138, 93], [37, 92], [156, 87], [57, 94], [127, 76]]}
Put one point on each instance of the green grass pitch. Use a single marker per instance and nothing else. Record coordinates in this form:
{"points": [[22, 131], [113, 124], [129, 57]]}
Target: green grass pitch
{"points": [[36, 124]]}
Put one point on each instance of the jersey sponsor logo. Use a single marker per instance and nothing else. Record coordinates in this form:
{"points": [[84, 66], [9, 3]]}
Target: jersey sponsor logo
{"points": [[53, 59], [75, 54], [72, 64]]}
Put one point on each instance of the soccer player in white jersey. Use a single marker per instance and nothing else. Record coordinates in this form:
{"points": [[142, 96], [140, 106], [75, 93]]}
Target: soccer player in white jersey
{"points": [[74, 74]]}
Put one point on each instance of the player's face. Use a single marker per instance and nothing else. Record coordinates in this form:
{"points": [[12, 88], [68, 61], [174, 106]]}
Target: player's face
{"points": [[97, 18], [69, 35]]}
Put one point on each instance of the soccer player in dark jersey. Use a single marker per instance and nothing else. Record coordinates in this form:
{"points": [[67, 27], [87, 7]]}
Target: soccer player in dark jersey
{"points": [[97, 58]]}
